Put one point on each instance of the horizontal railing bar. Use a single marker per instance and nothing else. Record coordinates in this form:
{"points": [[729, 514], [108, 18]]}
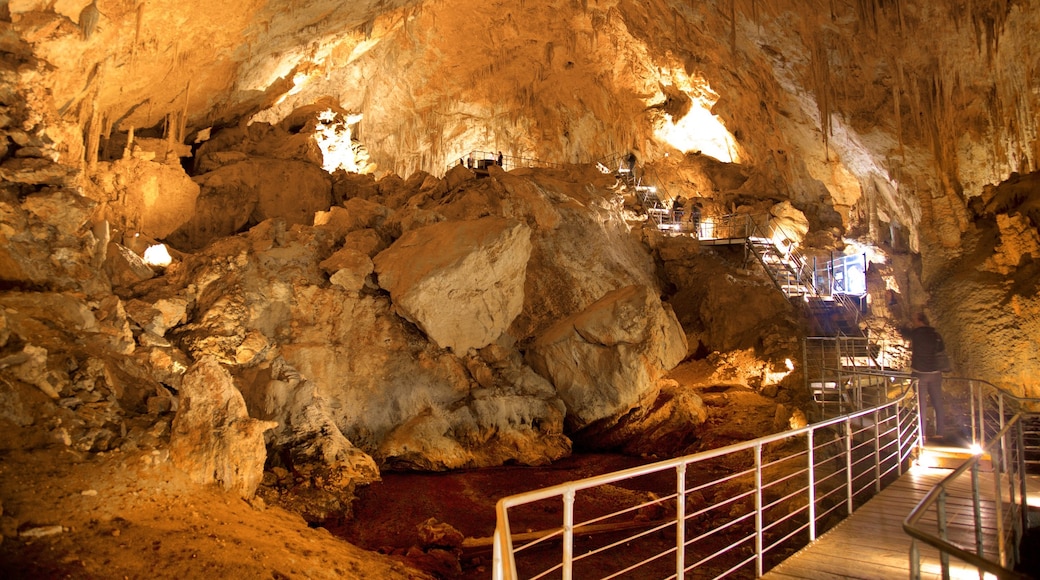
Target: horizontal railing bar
{"points": [[802, 528], [711, 557], [625, 540]]}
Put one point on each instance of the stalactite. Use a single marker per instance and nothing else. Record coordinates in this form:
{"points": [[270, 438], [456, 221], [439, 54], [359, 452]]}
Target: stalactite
{"points": [[821, 83], [137, 35], [897, 100], [182, 128], [733, 25]]}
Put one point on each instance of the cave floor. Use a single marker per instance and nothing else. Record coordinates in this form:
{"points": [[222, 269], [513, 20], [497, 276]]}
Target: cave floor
{"points": [[67, 514], [389, 513]]}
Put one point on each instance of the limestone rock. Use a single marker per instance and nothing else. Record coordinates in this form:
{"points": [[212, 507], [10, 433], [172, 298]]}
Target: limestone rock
{"points": [[43, 241], [787, 225], [154, 198], [62, 209], [604, 360], [113, 323], [438, 534], [213, 438], [124, 267], [665, 424], [159, 316], [34, 170], [348, 268], [1018, 240], [252, 191], [355, 214], [462, 283], [367, 241], [567, 220]]}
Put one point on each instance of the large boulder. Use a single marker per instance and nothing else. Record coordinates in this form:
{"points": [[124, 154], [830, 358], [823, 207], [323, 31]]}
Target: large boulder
{"points": [[46, 241], [251, 191], [357, 369], [461, 283], [152, 198], [568, 219], [605, 360], [213, 439]]}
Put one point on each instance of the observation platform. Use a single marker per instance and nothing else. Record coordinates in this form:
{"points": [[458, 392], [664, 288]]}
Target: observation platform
{"points": [[871, 543]]}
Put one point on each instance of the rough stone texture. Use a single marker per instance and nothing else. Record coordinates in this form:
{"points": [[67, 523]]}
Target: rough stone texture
{"points": [[212, 438], [390, 392], [124, 267], [460, 282], [45, 241], [135, 195], [605, 360], [251, 191], [348, 268], [664, 424]]}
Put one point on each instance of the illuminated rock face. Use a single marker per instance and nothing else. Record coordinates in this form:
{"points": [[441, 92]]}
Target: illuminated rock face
{"points": [[605, 359], [461, 282], [898, 123]]}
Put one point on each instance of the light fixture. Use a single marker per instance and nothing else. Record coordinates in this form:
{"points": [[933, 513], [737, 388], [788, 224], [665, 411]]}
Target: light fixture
{"points": [[157, 256]]}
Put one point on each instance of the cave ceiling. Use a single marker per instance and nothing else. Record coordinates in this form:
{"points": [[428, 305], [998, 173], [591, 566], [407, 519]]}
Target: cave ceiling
{"points": [[829, 101]]}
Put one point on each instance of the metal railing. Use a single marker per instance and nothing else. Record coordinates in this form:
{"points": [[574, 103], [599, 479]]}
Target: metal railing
{"points": [[736, 510], [484, 159], [1005, 428], [847, 374]]}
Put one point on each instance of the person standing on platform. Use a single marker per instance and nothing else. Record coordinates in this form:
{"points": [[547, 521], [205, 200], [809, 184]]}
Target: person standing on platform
{"points": [[927, 361]]}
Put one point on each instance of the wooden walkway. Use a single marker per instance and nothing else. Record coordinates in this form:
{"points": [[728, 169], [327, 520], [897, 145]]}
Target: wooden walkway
{"points": [[872, 544]]}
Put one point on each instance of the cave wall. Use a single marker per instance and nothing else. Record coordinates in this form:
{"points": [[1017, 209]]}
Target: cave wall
{"points": [[894, 114]]}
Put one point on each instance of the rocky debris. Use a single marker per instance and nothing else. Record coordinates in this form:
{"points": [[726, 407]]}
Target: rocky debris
{"points": [[124, 267], [348, 268], [665, 424], [437, 534], [213, 439], [604, 360], [250, 191], [147, 197], [45, 241], [568, 218], [86, 394], [354, 214], [461, 283]]}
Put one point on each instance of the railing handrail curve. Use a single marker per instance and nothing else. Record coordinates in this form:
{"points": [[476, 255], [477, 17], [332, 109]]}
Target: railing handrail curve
{"points": [[911, 520], [504, 565]]}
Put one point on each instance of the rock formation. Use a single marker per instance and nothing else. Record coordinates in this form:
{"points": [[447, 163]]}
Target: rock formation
{"points": [[344, 296]]}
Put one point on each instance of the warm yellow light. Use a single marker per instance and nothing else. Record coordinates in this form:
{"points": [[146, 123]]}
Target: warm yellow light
{"points": [[927, 460], [298, 81], [975, 448], [157, 255], [699, 129], [789, 364], [333, 136]]}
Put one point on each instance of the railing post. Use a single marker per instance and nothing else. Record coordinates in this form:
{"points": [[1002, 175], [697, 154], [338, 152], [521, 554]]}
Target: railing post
{"points": [[568, 534], [920, 413], [940, 514], [997, 461], [976, 503], [1023, 509], [812, 484], [758, 511], [849, 483], [877, 453], [899, 439], [915, 560], [680, 521], [974, 409]]}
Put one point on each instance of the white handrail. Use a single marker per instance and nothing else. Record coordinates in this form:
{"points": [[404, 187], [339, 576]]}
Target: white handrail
{"points": [[871, 427]]}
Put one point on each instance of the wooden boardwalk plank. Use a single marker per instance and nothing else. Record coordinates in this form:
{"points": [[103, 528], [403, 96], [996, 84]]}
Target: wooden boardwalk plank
{"points": [[872, 544]]}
